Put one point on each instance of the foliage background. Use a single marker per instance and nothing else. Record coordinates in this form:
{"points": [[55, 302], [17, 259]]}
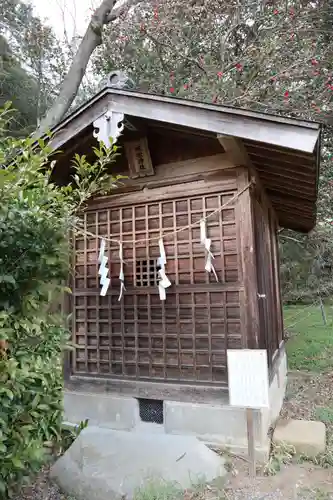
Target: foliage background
{"points": [[36, 217]]}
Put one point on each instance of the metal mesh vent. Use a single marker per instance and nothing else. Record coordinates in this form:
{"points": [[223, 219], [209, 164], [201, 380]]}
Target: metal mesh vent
{"points": [[146, 273], [151, 410]]}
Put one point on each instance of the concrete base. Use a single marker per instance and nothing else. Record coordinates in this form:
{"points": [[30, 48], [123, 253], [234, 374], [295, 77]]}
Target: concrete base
{"points": [[220, 426], [308, 437]]}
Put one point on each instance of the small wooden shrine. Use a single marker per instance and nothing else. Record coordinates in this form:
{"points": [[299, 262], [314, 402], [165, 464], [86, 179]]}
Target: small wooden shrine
{"points": [[190, 240]]}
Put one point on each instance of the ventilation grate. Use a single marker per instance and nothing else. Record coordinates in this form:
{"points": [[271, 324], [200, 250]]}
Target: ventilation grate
{"points": [[146, 273], [151, 410]]}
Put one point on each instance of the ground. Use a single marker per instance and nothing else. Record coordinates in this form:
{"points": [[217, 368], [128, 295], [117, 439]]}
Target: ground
{"points": [[309, 396]]}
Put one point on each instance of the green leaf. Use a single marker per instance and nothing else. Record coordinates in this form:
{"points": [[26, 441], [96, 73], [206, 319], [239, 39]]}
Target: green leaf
{"points": [[43, 407], [18, 464], [3, 486], [8, 392], [7, 279]]}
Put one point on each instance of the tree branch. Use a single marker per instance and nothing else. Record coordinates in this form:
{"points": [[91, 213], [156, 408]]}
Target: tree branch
{"points": [[104, 14], [120, 11]]}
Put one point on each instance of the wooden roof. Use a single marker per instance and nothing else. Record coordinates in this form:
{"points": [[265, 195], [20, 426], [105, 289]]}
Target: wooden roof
{"points": [[284, 151]]}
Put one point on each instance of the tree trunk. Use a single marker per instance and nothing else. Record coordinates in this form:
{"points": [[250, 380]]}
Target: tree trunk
{"points": [[72, 81]]}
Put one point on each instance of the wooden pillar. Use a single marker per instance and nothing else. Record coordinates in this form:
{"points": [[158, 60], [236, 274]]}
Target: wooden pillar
{"points": [[249, 302]]}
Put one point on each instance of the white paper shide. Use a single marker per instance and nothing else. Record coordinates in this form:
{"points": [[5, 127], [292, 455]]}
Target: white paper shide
{"points": [[103, 270], [164, 281]]}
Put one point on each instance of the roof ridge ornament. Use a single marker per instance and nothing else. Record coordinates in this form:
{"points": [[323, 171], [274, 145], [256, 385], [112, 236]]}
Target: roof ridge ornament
{"points": [[119, 80], [108, 127]]}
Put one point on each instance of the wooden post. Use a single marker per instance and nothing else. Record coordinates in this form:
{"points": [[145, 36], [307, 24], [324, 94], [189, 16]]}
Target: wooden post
{"points": [[250, 442], [323, 311], [250, 320]]}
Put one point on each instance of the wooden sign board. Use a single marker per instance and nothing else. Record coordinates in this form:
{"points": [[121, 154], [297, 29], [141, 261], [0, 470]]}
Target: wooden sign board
{"points": [[248, 378]]}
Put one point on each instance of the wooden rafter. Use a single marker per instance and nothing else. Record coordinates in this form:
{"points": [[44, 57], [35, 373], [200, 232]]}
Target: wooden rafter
{"points": [[288, 191]]}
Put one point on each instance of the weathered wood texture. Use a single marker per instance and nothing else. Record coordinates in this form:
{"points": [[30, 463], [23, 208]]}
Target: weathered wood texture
{"points": [[288, 170], [257, 220], [185, 338], [247, 258], [192, 392], [269, 301], [289, 178], [274, 130]]}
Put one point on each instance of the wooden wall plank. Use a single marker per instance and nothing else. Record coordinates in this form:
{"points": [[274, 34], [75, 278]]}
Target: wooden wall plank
{"points": [[191, 393], [150, 194]]}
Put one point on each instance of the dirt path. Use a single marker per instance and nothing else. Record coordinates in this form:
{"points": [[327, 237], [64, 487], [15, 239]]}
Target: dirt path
{"points": [[294, 481]]}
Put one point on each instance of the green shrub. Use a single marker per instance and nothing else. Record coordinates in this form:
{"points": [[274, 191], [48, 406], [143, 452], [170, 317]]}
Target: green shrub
{"points": [[36, 216], [30, 417]]}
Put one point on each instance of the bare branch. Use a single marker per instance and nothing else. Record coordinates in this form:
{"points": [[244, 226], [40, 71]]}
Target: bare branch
{"points": [[91, 40]]}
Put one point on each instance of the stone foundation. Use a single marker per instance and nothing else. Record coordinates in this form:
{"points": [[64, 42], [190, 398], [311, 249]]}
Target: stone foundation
{"points": [[221, 426]]}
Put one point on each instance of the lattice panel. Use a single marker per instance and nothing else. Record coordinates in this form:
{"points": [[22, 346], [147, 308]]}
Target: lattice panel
{"points": [[182, 339]]}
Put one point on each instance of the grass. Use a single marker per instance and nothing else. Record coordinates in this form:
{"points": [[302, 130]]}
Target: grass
{"points": [[310, 347], [159, 489], [313, 494], [324, 414]]}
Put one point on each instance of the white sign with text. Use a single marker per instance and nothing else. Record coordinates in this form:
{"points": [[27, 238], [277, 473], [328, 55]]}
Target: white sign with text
{"points": [[248, 378]]}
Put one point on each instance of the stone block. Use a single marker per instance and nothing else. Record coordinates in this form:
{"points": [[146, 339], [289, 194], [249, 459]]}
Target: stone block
{"points": [[104, 464], [308, 437], [105, 410], [205, 421]]}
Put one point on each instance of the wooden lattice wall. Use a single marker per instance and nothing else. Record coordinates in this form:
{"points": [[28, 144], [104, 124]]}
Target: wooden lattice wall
{"points": [[182, 339]]}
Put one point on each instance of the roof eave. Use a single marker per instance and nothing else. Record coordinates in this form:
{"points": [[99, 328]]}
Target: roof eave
{"points": [[278, 131]]}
